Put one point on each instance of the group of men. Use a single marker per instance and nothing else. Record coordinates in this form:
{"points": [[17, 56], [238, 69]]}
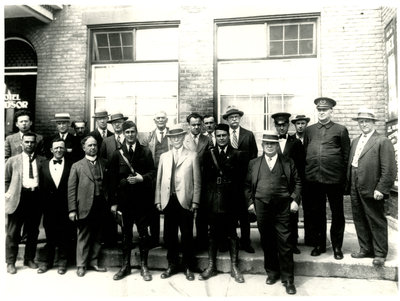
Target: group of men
{"points": [[212, 180]]}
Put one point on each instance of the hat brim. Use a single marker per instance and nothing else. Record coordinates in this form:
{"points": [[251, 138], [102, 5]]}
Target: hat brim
{"points": [[123, 118], [269, 140], [225, 116], [175, 134], [61, 119], [306, 119], [371, 118], [101, 116]]}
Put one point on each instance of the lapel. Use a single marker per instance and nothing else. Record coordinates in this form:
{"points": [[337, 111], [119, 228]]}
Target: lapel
{"points": [[353, 149], [47, 174], [203, 142], [288, 145], [242, 135], [189, 142], [256, 169], [182, 157], [65, 173], [370, 143], [20, 166], [86, 169], [17, 142]]}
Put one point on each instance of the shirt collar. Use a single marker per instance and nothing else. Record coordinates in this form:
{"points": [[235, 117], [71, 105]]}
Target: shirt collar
{"points": [[368, 135], [327, 125], [133, 146], [62, 159], [91, 158], [224, 149], [237, 131], [274, 157]]}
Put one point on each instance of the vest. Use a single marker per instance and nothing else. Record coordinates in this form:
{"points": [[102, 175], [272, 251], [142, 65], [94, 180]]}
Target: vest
{"points": [[272, 184], [159, 149], [96, 172]]}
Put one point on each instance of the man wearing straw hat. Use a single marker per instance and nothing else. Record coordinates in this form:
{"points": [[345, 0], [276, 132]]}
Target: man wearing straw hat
{"points": [[273, 190], [101, 132], [371, 173]]}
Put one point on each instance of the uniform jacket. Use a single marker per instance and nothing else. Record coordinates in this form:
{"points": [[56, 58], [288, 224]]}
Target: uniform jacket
{"points": [[150, 141], [12, 145], [200, 148], [81, 186], [187, 179], [376, 165], [72, 145], [98, 137], [247, 144], [327, 154], [142, 162], [108, 146], [294, 149], [13, 181], [288, 168]]}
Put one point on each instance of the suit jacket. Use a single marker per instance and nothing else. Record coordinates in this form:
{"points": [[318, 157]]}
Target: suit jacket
{"points": [[247, 144], [108, 146], [81, 186], [72, 145], [289, 170], [376, 165], [13, 181], [200, 148], [295, 150], [150, 141], [187, 179], [98, 137], [122, 193], [12, 145]]}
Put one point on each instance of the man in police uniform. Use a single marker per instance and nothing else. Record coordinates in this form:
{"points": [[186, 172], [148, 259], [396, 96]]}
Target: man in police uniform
{"points": [[327, 146]]}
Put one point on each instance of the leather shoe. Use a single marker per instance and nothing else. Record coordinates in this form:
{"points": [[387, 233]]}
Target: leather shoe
{"points": [[172, 270], [97, 268], [62, 270], [271, 280], [317, 251], [379, 261], [81, 271], [296, 250], [145, 273], [362, 254], [189, 275], [11, 268], [122, 273], [247, 248], [31, 264], [337, 254], [290, 288], [43, 269]]}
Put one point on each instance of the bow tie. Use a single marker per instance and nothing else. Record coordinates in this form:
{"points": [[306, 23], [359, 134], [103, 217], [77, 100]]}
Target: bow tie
{"points": [[57, 161], [282, 136]]}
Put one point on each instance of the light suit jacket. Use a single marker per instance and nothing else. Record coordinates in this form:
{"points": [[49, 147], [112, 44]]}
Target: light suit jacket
{"points": [[12, 145], [201, 147], [187, 179]]}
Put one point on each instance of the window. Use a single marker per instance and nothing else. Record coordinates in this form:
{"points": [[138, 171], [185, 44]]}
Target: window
{"points": [[113, 46]]}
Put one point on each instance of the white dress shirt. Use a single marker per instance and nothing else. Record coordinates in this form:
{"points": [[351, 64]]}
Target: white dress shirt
{"points": [[271, 161], [158, 133], [56, 170], [360, 146], [26, 181], [282, 143]]}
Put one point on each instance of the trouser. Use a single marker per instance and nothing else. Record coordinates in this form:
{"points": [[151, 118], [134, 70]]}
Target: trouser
{"points": [[307, 217], [178, 218], [294, 233], [155, 224], [201, 226], [222, 226], [369, 220], [334, 193], [28, 213], [244, 223], [273, 221]]}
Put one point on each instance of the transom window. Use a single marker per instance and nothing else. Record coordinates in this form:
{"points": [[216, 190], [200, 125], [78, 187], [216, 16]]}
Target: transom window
{"points": [[113, 46]]}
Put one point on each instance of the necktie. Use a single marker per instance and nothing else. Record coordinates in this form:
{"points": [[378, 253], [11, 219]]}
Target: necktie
{"points": [[57, 161], [31, 158], [119, 141], [62, 136], [269, 163], [93, 162], [234, 140], [130, 151], [211, 140], [162, 136], [104, 134], [222, 155], [282, 136]]}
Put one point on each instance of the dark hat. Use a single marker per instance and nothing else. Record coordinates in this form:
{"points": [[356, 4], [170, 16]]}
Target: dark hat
{"points": [[232, 110], [281, 117], [175, 130], [61, 117], [270, 136], [100, 114], [364, 113], [300, 117], [116, 116], [222, 127], [324, 102], [128, 124]]}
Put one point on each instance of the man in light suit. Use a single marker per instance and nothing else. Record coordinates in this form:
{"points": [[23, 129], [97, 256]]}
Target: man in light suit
{"points": [[244, 141], [178, 196], [110, 144], [22, 202], [87, 205], [101, 132], [53, 178], [12, 145], [371, 173], [196, 142]]}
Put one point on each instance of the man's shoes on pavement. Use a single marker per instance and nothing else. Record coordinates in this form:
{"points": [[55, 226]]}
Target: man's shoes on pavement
{"points": [[43, 269], [31, 264], [317, 251], [337, 253], [296, 250], [171, 270], [123, 272], [97, 268], [11, 268], [62, 270], [189, 274], [362, 254], [290, 288], [379, 262], [81, 271], [271, 280]]}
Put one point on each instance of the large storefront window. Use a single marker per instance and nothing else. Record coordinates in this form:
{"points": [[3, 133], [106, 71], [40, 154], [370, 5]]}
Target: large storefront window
{"points": [[135, 72], [276, 72]]}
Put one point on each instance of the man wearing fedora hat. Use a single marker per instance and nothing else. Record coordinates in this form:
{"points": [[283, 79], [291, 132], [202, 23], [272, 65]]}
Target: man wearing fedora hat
{"points": [[72, 143], [243, 140], [101, 132], [111, 143], [371, 173], [273, 190], [327, 146], [177, 194], [300, 123]]}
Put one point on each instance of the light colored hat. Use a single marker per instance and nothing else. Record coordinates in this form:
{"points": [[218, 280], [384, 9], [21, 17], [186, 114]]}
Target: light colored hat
{"points": [[175, 130], [270, 136], [101, 113], [364, 113], [232, 110], [116, 116], [61, 117]]}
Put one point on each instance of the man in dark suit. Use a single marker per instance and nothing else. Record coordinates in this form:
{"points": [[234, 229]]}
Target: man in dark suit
{"points": [[244, 141], [87, 205], [209, 125], [131, 192], [273, 190], [327, 146], [196, 142], [22, 202], [72, 143], [222, 169], [101, 132], [79, 127], [371, 173], [111, 143], [293, 148], [53, 178], [178, 189]]}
